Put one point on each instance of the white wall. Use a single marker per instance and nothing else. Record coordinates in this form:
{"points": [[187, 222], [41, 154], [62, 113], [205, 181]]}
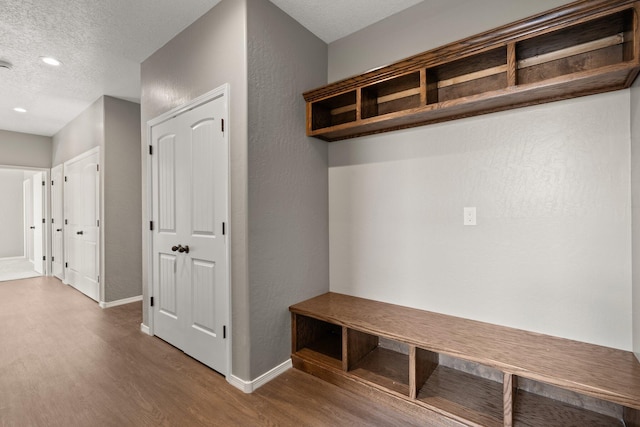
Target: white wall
{"points": [[22, 149], [552, 249], [11, 213], [635, 194]]}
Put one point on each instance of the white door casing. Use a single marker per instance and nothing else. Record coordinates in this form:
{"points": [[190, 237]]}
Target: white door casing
{"points": [[190, 209], [81, 231], [57, 222], [38, 221]]}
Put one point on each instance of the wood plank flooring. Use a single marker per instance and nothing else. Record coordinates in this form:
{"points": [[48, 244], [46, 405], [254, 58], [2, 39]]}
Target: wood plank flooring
{"points": [[66, 362]]}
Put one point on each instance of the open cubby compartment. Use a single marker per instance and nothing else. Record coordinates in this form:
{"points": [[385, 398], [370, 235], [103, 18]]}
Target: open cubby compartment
{"points": [[472, 75], [584, 47], [392, 95], [536, 403], [317, 340], [461, 389], [333, 111], [379, 362]]}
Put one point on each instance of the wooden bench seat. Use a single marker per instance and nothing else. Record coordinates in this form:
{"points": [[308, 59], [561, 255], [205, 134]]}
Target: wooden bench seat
{"points": [[340, 334]]}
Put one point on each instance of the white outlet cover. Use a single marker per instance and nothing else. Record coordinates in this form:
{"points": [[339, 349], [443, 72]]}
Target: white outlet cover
{"points": [[469, 216]]}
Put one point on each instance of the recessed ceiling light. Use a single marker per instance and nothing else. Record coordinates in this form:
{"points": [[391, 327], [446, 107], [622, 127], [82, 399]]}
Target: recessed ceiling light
{"points": [[51, 61], [20, 110]]}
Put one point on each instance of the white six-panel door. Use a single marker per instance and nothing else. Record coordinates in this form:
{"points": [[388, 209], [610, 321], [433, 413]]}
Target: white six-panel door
{"points": [[38, 222], [81, 208], [189, 180], [57, 222]]}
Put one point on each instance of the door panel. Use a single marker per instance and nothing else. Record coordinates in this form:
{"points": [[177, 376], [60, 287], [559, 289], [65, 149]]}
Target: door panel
{"points": [[27, 194], [82, 207], [57, 221], [38, 222], [189, 181]]}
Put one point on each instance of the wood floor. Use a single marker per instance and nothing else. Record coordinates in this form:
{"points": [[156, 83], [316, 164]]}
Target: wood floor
{"points": [[66, 362]]}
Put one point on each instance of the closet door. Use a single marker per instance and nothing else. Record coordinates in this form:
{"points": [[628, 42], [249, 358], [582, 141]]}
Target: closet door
{"points": [[38, 222], [82, 210], [57, 222], [190, 278]]}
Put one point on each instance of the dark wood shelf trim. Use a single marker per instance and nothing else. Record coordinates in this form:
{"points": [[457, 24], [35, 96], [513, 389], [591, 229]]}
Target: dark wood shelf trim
{"points": [[542, 23]]}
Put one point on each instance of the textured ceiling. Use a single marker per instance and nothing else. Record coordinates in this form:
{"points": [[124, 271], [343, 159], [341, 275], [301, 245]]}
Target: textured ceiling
{"points": [[101, 44]]}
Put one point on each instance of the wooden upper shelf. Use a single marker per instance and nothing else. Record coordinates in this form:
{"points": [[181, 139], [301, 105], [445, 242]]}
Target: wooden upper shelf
{"points": [[583, 48]]}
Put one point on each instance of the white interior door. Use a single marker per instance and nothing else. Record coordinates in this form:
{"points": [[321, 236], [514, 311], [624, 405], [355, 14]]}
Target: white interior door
{"points": [[27, 200], [38, 222], [81, 231], [190, 272], [57, 222]]}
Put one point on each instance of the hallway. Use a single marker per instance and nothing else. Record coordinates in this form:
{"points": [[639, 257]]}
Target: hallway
{"points": [[66, 362]]}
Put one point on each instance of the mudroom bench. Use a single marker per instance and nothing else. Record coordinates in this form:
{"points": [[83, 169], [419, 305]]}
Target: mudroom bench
{"points": [[462, 371]]}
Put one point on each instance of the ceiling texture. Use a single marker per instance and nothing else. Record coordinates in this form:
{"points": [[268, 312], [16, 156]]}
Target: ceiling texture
{"points": [[101, 44]]}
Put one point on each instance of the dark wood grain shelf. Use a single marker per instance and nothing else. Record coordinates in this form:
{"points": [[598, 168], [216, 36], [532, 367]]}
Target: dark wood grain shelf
{"points": [[583, 48], [598, 372]]}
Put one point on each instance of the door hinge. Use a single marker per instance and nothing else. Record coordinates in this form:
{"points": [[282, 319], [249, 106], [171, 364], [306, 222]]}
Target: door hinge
{"points": [[98, 278], [151, 225], [97, 223], [97, 168], [151, 301], [224, 228], [43, 184], [222, 125], [53, 258], [52, 182], [44, 258], [66, 222], [224, 332], [43, 221], [65, 179], [66, 265], [52, 221], [151, 150]]}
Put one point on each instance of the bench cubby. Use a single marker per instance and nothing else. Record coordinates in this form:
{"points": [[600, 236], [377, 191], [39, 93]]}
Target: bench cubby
{"points": [[467, 372]]}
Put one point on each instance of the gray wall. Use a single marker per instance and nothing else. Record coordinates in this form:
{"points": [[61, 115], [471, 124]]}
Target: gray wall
{"points": [[288, 194], [425, 26], [80, 135], [23, 149], [114, 126], [11, 213], [206, 55], [635, 195], [121, 197], [552, 248]]}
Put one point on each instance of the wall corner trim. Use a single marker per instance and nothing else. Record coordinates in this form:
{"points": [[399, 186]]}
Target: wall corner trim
{"points": [[251, 386], [145, 329], [116, 303]]}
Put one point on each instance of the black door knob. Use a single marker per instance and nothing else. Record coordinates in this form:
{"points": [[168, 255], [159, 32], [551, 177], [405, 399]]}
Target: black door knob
{"points": [[175, 248], [58, 229], [80, 233], [184, 249], [33, 227]]}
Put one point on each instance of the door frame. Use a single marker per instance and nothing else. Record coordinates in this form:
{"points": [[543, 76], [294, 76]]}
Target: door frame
{"points": [[224, 92], [46, 206]]}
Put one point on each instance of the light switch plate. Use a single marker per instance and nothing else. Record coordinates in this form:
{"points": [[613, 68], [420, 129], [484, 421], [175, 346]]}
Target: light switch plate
{"points": [[470, 216]]}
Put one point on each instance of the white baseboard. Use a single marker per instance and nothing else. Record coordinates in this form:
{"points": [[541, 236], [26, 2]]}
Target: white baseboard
{"points": [[124, 301], [10, 258], [145, 329], [251, 386]]}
